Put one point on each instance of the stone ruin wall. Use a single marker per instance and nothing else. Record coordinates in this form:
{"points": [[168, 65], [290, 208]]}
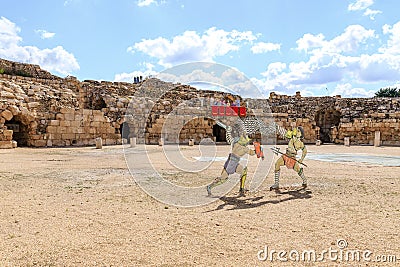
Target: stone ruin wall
{"points": [[47, 112], [54, 111], [25, 70]]}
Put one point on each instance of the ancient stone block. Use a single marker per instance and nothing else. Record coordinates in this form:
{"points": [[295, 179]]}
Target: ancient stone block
{"points": [[58, 142], [64, 123], [62, 130], [36, 136], [60, 116], [32, 105], [49, 143], [5, 94], [40, 143], [51, 129], [6, 144], [67, 110], [110, 130], [377, 139], [69, 116], [87, 112], [97, 113], [69, 136], [98, 118], [14, 110], [95, 124], [75, 124], [54, 123], [7, 115], [8, 134]]}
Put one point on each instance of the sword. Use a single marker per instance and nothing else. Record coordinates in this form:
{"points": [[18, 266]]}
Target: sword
{"points": [[277, 151]]}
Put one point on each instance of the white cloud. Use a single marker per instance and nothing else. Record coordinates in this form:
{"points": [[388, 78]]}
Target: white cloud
{"points": [[393, 45], [226, 78], [211, 76], [360, 5], [274, 69], [349, 41], [347, 90], [343, 59], [143, 3], [55, 59], [309, 42], [129, 77], [190, 46], [262, 47], [379, 67], [8, 33], [372, 13], [70, 2], [45, 34]]}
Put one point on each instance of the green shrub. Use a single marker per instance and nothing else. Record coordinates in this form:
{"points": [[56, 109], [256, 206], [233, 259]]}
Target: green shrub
{"points": [[388, 92], [1, 71], [22, 73]]}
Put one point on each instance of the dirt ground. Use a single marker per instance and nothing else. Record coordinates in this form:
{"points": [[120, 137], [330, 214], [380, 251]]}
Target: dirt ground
{"points": [[81, 207]]}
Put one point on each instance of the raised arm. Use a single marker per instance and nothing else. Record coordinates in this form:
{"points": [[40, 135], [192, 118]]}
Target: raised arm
{"points": [[239, 126]]}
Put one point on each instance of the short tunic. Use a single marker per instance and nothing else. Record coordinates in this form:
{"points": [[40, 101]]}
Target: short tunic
{"points": [[231, 163], [289, 162]]}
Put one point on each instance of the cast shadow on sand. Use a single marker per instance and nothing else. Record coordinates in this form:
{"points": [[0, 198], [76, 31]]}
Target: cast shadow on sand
{"points": [[240, 202]]}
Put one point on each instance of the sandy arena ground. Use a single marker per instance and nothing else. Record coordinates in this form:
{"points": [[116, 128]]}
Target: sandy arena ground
{"points": [[81, 207]]}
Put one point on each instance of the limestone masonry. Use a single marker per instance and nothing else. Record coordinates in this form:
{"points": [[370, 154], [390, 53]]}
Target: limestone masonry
{"points": [[39, 109]]}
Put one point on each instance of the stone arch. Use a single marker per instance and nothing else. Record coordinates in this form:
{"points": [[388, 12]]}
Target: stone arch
{"points": [[197, 129], [327, 120], [21, 122], [98, 103], [20, 128], [219, 133]]}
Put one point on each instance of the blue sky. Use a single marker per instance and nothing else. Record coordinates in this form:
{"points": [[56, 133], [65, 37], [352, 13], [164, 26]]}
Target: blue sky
{"points": [[347, 47]]}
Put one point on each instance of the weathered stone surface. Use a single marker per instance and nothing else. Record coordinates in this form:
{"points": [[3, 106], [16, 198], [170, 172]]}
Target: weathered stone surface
{"points": [[6, 144], [7, 115]]}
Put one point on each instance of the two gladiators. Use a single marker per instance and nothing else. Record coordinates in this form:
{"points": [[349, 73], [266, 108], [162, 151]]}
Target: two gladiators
{"points": [[237, 136]]}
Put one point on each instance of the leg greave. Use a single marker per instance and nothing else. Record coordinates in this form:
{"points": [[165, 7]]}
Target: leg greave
{"points": [[243, 178], [276, 178], [301, 174]]}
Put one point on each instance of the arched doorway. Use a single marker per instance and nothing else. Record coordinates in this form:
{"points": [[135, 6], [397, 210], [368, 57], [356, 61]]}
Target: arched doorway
{"points": [[125, 131], [219, 133], [20, 131], [326, 119]]}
